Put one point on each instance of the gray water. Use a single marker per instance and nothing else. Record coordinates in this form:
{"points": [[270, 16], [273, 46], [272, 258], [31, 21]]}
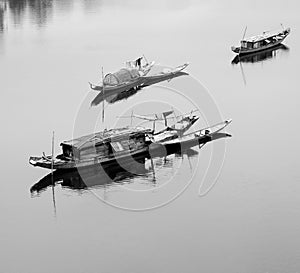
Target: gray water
{"points": [[248, 221]]}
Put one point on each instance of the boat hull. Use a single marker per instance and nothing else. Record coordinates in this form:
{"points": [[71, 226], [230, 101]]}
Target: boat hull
{"points": [[153, 149], [244, 52], [68, 165]]}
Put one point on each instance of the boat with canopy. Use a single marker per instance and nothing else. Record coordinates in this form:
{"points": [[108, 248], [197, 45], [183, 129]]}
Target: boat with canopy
{"points": [[261, 42], [110, 146], [133, 77]]}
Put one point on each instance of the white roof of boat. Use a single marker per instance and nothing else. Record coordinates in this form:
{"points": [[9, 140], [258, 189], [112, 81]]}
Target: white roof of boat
{"points": [[263, 36]]}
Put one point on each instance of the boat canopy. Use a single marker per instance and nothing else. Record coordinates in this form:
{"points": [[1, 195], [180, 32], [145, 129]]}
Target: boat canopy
{"points": [[267, 35], [121, 76], [105, 136]]}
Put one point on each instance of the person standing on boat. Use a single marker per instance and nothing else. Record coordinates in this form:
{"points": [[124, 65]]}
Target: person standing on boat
{"points": [[138, 62]]}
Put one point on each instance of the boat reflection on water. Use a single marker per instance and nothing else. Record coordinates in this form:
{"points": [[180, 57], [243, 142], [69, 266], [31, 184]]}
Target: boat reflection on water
{"points": [[142, 166], [111, 99], [260, 56]]}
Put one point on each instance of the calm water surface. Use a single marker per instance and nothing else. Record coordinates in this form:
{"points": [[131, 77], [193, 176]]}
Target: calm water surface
{"points": [[249, 221]]}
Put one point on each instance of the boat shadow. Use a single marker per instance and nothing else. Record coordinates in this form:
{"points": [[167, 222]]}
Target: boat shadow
{"points": [[260, 56], [111, 99], [108, 175]]}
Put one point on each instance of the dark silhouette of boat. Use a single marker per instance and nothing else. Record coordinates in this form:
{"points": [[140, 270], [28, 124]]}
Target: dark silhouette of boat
{"points": [[261, 42], [120, 145], [96, 177], [133, 78]]}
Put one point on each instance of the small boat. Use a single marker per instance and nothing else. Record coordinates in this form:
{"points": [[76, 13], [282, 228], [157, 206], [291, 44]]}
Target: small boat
{"points": [[176, 130], [187, 141], [183, 123], [261, 42], [133, 77]]}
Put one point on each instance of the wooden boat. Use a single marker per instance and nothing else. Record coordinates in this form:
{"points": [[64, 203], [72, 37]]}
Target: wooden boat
{"points": [[117, 170], [183, 123], [129, 78], [187, 141], [110, 145], [261, 42], [119, 145], [176, 130]]}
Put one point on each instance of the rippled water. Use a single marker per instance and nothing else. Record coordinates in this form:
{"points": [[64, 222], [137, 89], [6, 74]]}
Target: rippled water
{"points": [[249, 220]]}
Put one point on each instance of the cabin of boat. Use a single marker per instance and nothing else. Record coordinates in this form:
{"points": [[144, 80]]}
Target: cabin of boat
{"points": [[105, 144], [261, 42], [101, 147]]}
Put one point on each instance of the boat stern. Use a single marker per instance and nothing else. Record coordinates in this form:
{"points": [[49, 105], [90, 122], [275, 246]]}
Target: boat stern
{"points": [[236, 49], [41, 161]]}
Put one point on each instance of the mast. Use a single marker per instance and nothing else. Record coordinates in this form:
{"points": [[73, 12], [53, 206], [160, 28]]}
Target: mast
{"points": [[52, 153], [103, 95], [52, 178], [244, 33], [131, 117]]}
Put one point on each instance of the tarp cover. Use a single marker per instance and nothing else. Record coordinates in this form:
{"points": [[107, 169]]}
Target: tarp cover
{"points": [[121, 76]]}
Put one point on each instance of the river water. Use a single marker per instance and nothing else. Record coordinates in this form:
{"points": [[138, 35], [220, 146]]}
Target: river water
{"points": [[164, 215]]}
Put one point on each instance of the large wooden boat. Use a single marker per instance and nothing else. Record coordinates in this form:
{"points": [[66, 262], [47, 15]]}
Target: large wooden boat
{"points": [[117, 170], [261, 42], [121, 145], [111, 145]]}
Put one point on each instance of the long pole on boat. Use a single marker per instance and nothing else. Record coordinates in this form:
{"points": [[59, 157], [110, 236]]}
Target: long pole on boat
{"points": [[242, 70], [153, 169], [52, 175], [103, 95], [52, 153], [244, 33], [145, 59], [131, 117]]}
